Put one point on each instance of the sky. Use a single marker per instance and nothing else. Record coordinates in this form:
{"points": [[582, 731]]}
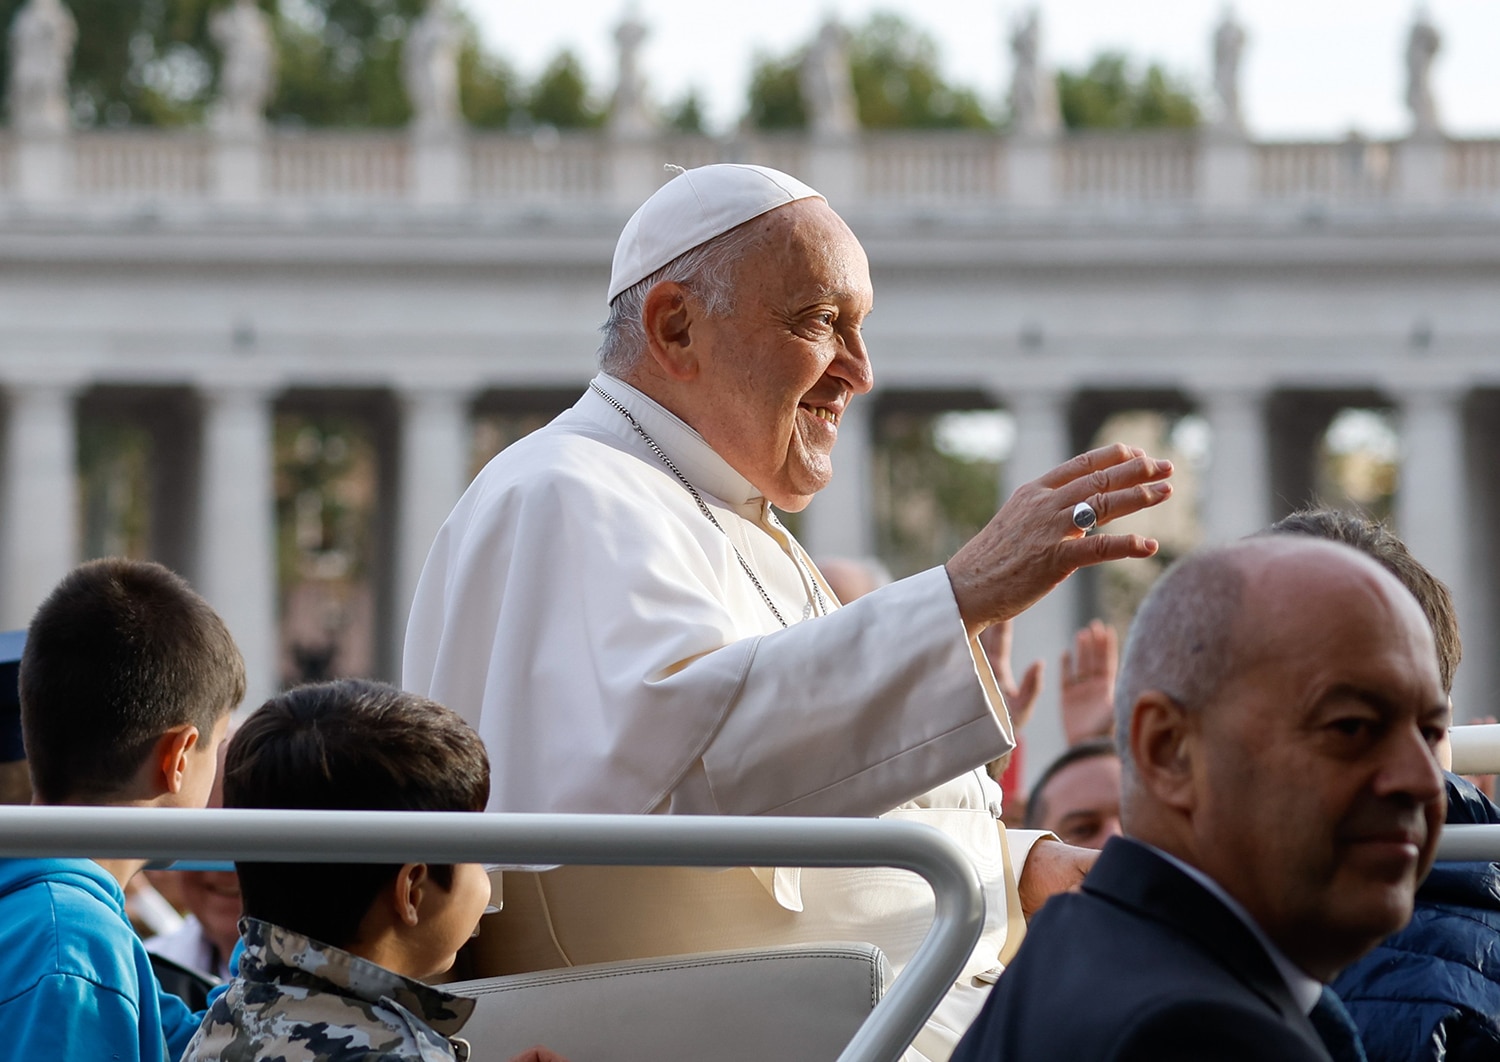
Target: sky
{"points": [[1311, 68]]}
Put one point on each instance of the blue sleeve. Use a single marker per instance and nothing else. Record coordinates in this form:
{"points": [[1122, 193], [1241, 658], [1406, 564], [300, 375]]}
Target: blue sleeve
{"points": [[70, 1017], [178, 1024]]}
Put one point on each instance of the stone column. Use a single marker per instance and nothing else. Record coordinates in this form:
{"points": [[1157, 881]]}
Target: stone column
{"points": [[240, 167], [432, 471], [1226, 162], [840, 522], [236, 568], [1031, 171], [1237, 490], [440, 167], [39, 533], [1044, 630], [1433, 517]]}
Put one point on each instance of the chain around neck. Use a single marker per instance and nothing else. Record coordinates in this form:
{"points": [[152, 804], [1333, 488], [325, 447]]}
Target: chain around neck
{"points": [[661, 456]]}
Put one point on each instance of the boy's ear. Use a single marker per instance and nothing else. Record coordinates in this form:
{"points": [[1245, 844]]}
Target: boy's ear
{"points": [[410, 889], [170, 756]]}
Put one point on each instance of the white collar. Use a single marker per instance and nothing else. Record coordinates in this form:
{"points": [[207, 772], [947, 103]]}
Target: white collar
{"points": [[698, 461], [1306, 990]]}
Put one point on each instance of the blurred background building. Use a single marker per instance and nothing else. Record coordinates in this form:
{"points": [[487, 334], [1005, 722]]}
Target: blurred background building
{"points": [[277, 280]]}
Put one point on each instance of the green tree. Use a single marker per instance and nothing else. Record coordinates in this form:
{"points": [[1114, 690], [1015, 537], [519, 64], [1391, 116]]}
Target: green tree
{"points": [[686, 116], [137, 62], [1113, 94], [152, 62], [340, 62], [776, 92], [897, 83], [560, 97]]}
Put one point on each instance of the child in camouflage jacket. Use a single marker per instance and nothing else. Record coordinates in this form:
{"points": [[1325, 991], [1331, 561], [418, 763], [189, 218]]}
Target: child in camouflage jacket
{"points": [[335, 954]]}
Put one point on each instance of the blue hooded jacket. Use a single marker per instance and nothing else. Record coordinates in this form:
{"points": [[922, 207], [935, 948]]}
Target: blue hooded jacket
{"points": [[75, 980], [1431, 993]]}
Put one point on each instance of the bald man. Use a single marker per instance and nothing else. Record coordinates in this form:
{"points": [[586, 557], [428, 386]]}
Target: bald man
{"points": [[1279, 705]]}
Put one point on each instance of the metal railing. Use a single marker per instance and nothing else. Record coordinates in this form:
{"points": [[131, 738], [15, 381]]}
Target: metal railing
{"points": [[1476, 749], [596, 840]]}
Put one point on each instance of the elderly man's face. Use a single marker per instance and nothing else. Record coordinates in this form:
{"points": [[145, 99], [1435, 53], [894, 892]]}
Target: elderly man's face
{"points": [[777, 373], [1319, 797], [1081, 802]]}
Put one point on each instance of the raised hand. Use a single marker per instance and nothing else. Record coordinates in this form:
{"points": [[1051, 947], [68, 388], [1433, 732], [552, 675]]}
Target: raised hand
{"points": [[1087, 692], [1020, 698], [1032, 544]]}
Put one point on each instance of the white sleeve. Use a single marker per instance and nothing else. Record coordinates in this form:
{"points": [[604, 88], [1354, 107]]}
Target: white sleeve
{"points": [[588, 626]]}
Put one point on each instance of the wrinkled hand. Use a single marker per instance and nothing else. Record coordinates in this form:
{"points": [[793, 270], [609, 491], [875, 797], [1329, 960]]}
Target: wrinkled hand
{"points": [[1019, 699], [538, 1054], [1087, 697], [1031, 545], [1052, 867]]}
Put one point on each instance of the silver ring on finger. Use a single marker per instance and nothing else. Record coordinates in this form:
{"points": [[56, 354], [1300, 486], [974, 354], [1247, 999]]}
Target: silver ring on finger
{"points": [[1084, 517]]}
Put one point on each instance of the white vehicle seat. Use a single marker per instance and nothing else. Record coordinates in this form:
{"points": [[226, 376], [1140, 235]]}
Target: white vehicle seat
{"points": [[789, 1003]]}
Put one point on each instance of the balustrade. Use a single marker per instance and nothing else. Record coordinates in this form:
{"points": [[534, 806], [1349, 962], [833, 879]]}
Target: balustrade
{"points": [[1347, 170], [141, 164], [1128, 168], [885, 169], [339, 165], [1474, 167], [547, 166]]}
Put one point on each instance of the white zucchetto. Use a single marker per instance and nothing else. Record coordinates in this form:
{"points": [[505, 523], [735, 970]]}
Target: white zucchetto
{"points": [[691, 209]]}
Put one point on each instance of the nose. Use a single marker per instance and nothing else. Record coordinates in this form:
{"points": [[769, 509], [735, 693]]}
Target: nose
{"points": [[1411, 768], [852, 365]]}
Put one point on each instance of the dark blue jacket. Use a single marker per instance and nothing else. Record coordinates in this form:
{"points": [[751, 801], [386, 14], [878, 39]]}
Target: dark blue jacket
{"points": [[1431, 993]]}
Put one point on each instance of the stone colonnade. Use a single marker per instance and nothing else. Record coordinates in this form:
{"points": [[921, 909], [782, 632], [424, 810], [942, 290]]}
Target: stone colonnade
{"points": [[216, 522]]}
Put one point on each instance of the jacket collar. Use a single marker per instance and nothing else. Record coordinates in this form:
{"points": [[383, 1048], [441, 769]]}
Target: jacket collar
{"points": [[269, 947], [1135, 876], [699, 462]]}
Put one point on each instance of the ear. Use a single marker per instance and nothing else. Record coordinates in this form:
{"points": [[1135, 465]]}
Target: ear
{"points": [[1163, 748], [668, 317], [411, 886], [170, 756]]}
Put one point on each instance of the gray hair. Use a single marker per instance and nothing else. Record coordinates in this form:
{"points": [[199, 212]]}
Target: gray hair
{"points": [[708, 271], [1182, 640]]}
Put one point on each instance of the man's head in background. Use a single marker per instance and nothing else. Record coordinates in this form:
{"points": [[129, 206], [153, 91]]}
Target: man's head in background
{"points": [[851, 578], [1278, 706], [1377, 541], [1078, 795], [127, 681]]}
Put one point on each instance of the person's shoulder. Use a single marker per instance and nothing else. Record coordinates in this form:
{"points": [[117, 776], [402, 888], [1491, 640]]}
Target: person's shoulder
{"points": [[1192, 1028], [266, 1020], [64, 925]]}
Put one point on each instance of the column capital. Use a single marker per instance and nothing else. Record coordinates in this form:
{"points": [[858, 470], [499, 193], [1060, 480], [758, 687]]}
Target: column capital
{"points": [[1439, 396]]}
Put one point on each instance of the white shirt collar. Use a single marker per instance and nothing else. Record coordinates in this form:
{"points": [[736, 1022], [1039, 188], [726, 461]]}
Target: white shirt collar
{"points": [[698, 461], [1306, 990]]}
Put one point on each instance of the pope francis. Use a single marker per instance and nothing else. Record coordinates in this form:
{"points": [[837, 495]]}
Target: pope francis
{"points": [[616, 608]]}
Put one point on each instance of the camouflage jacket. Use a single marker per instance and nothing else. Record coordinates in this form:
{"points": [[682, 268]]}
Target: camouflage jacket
{"points": [[298, 1000]]}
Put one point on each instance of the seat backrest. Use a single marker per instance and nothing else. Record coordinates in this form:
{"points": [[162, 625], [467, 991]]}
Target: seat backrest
{"points": [[790, 1003]]}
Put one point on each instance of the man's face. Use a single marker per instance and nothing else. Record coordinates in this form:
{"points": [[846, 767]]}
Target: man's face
{"points": [[1319, 797], [778, 371], [1081, 802]]}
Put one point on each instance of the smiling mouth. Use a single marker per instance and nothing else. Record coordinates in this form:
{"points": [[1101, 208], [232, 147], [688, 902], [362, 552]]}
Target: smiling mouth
{"points": [[823, 413]]}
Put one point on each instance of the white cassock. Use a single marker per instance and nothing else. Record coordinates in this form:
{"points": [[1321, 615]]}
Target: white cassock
{"points": [[582, 613]]}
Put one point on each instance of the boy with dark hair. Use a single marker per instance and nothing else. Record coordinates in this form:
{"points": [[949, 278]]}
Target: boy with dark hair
{"points": [[335, 953], [127, 681]]}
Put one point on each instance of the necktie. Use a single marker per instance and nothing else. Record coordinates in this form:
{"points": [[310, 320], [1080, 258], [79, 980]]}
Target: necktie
{"points": [[1337, 1029]]}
